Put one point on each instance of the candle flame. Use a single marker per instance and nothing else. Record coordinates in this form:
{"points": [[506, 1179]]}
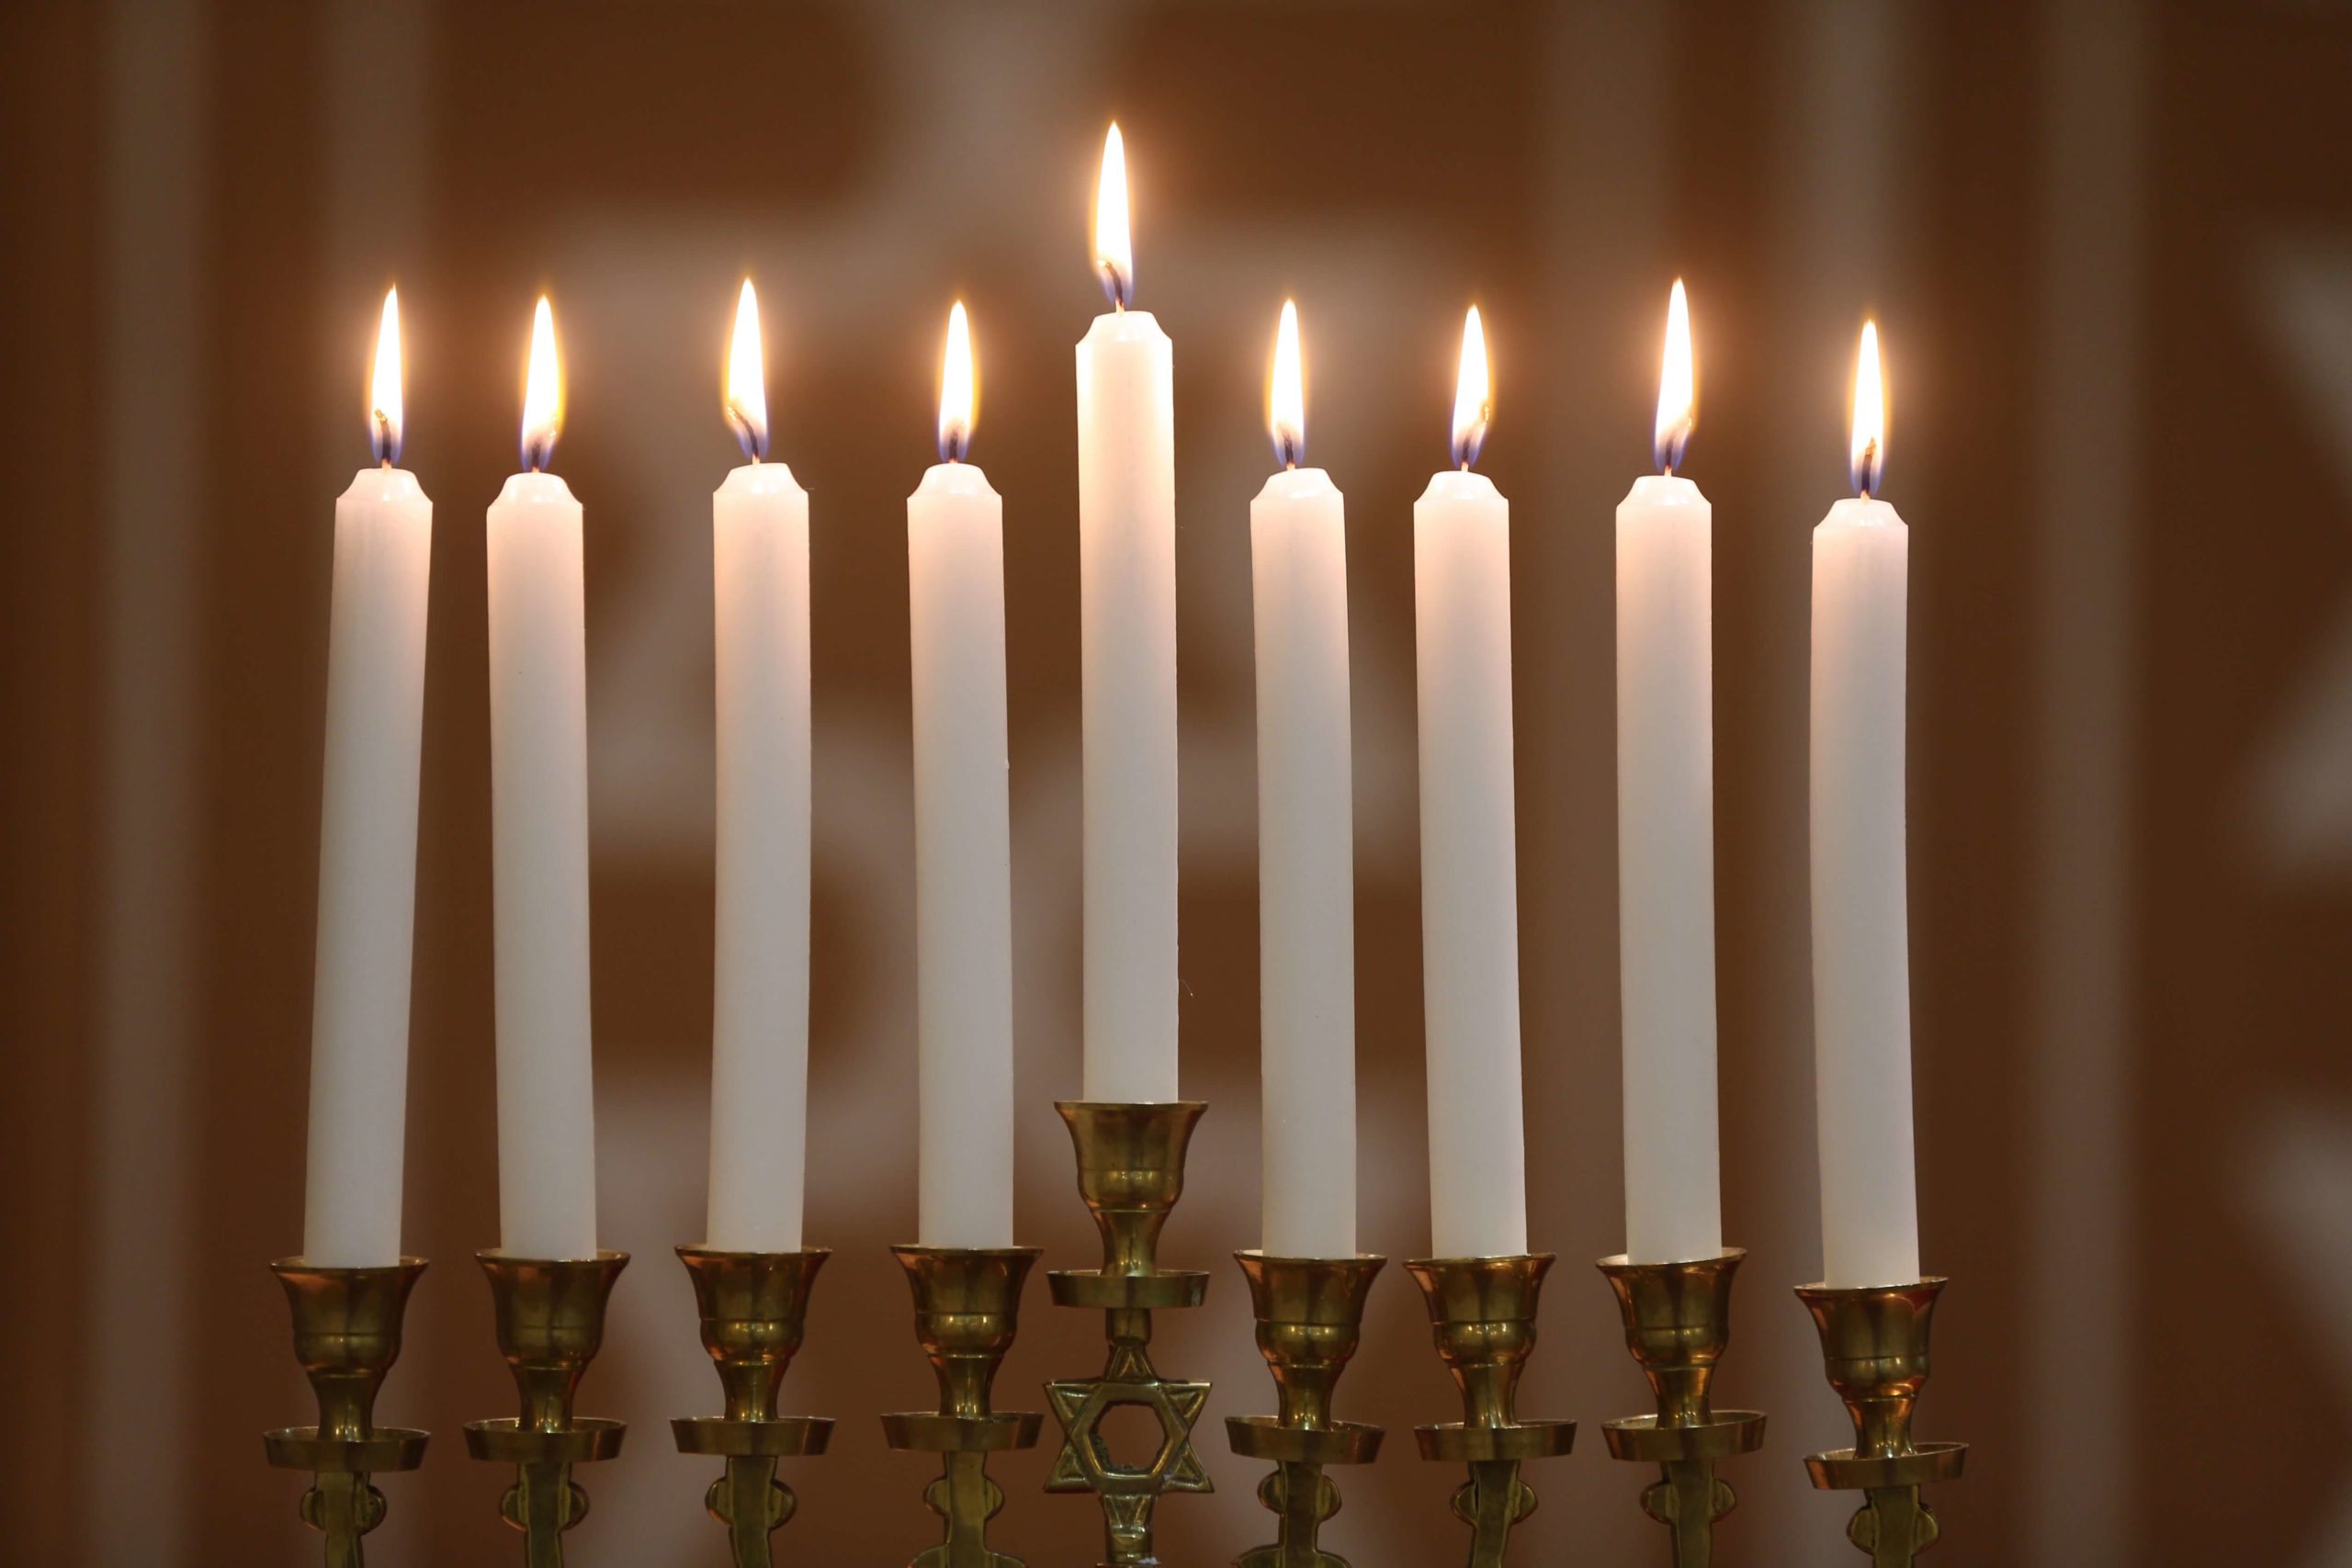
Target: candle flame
{"points": [[1286, 393], [1473, 394], [747, 384], [1678, 386], [1868, 453], [1114, 253], [959, 397], [542, 392], [384, 410]]}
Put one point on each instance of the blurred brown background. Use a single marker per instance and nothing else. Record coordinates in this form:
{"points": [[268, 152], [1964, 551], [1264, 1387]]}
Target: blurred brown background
{"points": [[2110, 248]]}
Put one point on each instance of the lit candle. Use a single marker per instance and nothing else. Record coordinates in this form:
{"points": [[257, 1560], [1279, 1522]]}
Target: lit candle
{"points": [[538, 757], [1299, 555], [1666, 837], [1861, 965], [963, 832], [1126, 563], [759, 1070], [1469, 877], [383, 552]]}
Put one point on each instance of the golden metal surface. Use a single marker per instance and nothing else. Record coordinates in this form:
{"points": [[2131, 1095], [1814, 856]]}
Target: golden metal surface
{"points": [[967, 1310], [1678, 1320], [1310, 1318], [754, 1306], [550, 1318], [1482, 1315], [1874, 1348], [1130, 1174], [347, 1336]]}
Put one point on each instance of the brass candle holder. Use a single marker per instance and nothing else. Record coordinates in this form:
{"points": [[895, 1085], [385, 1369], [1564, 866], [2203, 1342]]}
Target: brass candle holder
{"points": [[1310, 1316], [1482, 1314], [1130, 1173], [967, 1309], [346, 1336], [754, 1306], [1874, 1347], [1678, 1320], [550, 1315]]}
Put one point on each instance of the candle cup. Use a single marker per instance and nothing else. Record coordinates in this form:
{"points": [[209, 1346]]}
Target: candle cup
{"points": [[1678, 1320], [1310, 1317], [1874, 1348], [550, 1318], [1482, 1315], [347, 1336], [753, 1306], [1130, 1174], [967, 1310]]}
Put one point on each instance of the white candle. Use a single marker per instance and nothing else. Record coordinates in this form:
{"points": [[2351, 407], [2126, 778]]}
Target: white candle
{"points": [[759, 1067], [1666, 837], [1861, 976], [384, 553], [539, 755], [1299, 555], [1469, 877], [963, 833], [1126, 563]]}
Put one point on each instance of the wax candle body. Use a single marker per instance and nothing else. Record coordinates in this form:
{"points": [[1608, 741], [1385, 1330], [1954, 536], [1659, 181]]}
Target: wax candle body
{"points": [[963, 860], [1469, 877], [1861, 977], [383, 551], [1298, 556], [1665, 871], [1126, 550], [759, 1078], [538, 752]]}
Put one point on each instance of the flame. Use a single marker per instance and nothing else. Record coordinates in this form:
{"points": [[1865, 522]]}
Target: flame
{"points": [[747, 384], [959, 396], [384, 410], [1114, 253], [1473, 394], [1678, 386], [1867, 454], [1286, 393], [542, 392]]}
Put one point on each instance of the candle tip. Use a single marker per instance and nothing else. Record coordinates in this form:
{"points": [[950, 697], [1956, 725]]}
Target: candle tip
{"points": [[1867, 455], [1474, 393], [542, 392], [1678, 386], [384, 411], [1114, 257], [1286, 392], [747, 388], [959, 397]]}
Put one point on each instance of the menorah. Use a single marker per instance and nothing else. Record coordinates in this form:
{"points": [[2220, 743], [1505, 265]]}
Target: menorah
{"points": [[549, 1317]]}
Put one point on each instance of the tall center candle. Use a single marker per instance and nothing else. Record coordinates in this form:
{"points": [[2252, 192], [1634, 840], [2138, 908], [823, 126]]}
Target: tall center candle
{"points": [[963, 833], [759, 1067], [1862, 959], [1127, 564], [1469, 874], [1298, 553], [383, 555], [1666, 837], [538, 757]]}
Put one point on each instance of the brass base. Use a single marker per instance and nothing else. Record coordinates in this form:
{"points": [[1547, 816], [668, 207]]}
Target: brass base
{"points": [[1482, 1314], [967, 1310], [1130, 1174], [1678, 1320], [753, 1306], [1310, 1317], [346, 1336], [1874, 1348], [550, 1315]]}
